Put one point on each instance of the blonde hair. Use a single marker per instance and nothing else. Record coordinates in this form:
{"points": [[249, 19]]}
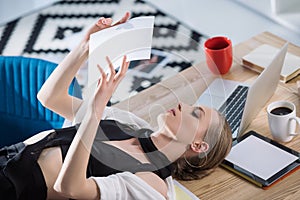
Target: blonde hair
{"points": [[219, 138]]}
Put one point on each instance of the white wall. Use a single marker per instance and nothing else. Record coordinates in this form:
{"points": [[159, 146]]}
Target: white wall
{"points": [[224, 17], [12, 9]]}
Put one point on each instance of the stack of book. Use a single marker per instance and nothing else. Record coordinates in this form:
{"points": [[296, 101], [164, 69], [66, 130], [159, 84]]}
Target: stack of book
{"points": [[261, 57]]}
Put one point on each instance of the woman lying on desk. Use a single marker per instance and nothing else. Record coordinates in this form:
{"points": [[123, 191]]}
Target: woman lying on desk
{"points": [[107, 159]]}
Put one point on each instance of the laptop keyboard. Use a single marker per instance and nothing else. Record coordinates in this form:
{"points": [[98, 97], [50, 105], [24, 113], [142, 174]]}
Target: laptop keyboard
{"points": [[233, 108]]}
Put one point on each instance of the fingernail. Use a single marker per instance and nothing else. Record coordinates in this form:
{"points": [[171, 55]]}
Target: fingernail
{"points": [[99, 22], [108, 21]]}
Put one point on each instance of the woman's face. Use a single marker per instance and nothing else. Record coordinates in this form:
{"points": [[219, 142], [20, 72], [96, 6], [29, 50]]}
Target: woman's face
{"points": [[187, 123]]}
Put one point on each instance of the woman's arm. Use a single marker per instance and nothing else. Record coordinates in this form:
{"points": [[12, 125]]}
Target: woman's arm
{"points": [[54, 93], [72, 181]]}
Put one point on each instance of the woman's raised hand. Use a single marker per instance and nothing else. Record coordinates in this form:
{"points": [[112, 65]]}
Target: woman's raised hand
{"points": [[107, 84], [104, 23]]}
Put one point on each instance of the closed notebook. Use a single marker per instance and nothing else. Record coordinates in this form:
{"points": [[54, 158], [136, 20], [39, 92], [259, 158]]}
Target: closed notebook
{"points": [[262, 56]]}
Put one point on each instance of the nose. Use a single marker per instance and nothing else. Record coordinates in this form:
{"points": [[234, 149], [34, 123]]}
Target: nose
{"points": [[184, 107]]}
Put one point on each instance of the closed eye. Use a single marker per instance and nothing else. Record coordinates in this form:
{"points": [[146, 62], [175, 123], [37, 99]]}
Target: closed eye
{"points": [[196, 112]]}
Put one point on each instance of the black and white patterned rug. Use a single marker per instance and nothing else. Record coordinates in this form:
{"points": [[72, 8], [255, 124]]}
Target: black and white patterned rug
{"points": [[49, 34]]}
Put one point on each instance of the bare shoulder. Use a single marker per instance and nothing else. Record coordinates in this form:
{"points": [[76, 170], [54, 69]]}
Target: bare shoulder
{"points": [[154, 181]]}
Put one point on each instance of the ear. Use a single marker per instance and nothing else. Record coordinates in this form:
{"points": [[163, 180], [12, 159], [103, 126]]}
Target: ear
{"points": [[199, 147]]}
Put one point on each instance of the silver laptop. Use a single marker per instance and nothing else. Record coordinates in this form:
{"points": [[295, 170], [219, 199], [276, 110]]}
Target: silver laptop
{"points": [[239, 102]]}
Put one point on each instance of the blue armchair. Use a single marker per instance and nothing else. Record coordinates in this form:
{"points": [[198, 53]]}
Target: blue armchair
{"points": [[21, 114]]}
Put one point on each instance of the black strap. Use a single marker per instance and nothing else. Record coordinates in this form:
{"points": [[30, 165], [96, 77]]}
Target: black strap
{"points": [[162, 163]]}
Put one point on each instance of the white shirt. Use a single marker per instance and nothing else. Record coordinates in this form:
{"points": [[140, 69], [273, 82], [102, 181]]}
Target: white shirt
{"points": [[127, 186]]}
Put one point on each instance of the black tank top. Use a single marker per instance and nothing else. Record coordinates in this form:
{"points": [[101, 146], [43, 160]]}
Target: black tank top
{"points": [[106, 159]]}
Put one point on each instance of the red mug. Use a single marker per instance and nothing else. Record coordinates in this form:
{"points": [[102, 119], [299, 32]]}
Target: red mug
{"points": [[218, 52]]}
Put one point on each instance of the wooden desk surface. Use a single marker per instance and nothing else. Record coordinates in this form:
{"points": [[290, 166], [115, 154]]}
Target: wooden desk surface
{"points": [[187, 87]]}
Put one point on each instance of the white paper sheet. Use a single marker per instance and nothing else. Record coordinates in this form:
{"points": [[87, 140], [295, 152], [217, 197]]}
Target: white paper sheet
{"points": [[260, 157], [132, 39]]}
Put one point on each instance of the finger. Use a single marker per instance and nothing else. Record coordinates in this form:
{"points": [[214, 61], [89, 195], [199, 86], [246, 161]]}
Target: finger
{"points": [[107, 21], [120, 76], [103, 74], [124, 66], [112, 69], [99, 22], [103, 22], [121, 73], [124, 19]]}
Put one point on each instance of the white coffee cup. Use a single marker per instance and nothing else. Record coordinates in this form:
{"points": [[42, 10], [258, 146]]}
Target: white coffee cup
{"points": [[282, 120]]}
